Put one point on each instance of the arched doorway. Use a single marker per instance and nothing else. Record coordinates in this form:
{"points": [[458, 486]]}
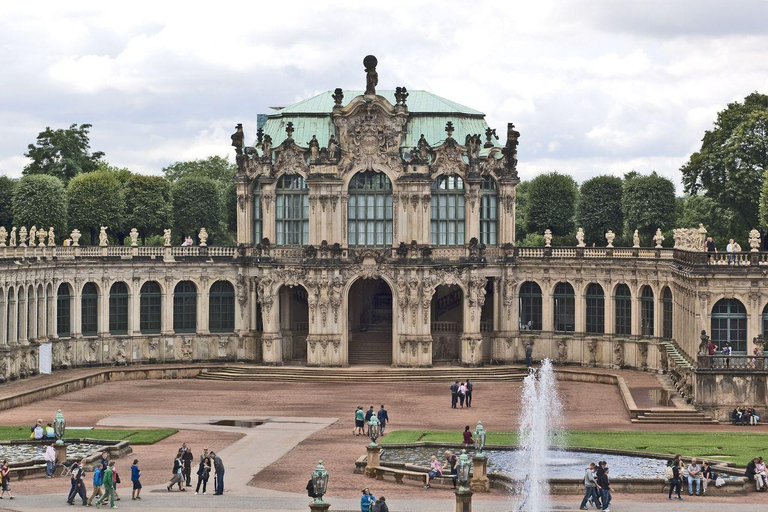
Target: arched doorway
{"points": [[369, 322], [447, 313], [294, 322]]}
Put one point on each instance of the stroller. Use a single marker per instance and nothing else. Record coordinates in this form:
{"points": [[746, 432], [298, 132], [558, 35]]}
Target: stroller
{"points": [[67, 467]]}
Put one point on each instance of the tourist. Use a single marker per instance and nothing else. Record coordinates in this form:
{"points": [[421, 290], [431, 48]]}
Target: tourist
{"points": [[104, 460], [98, 484], [187, 459], [136, 480], [673, 475], [729, 250], [310, 490], [605, 489], [38, 432], [218, 466], [115, 479], [177, 476], [467, 437], [109, 486], [203, 472], [727, 352], [50, 433], [368, 415], [435, 470], [380, 505], [383, 417], [599, 472], [77, 484], [694, 475], [454, 394], [528, 355], [706, 476], [736, 251], [590, 486], [50, 460], [462, 394], [752, 474], [451, 465], [5, 480], [359, 421], [760, 469], [367, 500], [468, 393]]}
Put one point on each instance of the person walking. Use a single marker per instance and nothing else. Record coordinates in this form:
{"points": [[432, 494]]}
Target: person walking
{"points": [[115, 480], [187, 459], [136, 479], [367, 500], [177, 477], [5, 480], [383, 417], [468, 393], [462, 394], [590, 486], [359, 421], [605, 489], [203, 472], [454, 394], [98, 484], [467, 442], [368, 415], [528, 355], [109, 486], [50, 460], [77, 483], [218, 466]]}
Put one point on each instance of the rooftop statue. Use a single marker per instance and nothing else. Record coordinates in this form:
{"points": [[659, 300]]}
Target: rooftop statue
{"points": [[371, 76], [238, 139]]}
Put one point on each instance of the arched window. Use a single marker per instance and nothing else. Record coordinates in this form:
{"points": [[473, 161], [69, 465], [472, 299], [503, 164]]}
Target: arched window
{"points": [[765, 321], [488, 211], [150, 307], [292, 197], [646, 311], [185, 307], [118, 309], [63, 311], [89, 306], [729, 324], [666, 312], [447, 221], [221, 307], [258, 232], [565, 308], [530, 307], [623, 326], [595, 309], [369, 211]]}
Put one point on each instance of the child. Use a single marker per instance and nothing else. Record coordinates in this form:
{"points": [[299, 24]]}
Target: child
{"points": [[135, 476], [5, 474]]}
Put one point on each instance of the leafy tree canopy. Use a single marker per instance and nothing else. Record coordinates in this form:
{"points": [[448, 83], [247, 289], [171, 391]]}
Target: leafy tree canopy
{"points": [[96, 199], [122, 174], [148, 204], [40, 200], [721, 223], [521, 198], [648, 203], [196, 204], [551, 204], [600, 208], [214, 167], [7, 186], [63, 153]]}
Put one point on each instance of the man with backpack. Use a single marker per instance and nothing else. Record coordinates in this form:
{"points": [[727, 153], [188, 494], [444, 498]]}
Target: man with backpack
{"points": [[380, 505], [78, 485]]}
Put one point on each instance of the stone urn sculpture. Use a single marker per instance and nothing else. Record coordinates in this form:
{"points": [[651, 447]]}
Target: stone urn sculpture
{"points": [[610, 236], [547, 238], [754, 240]]}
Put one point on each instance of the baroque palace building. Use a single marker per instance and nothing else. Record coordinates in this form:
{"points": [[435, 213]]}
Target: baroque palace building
{"points": [[378, 226]]}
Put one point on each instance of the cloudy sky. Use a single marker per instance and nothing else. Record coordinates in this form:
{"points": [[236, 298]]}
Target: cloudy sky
{"points": [[600, 86]]}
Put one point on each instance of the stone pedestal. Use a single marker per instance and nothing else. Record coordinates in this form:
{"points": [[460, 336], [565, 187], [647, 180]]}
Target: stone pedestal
{"points": [[374, 458], [463, 500], [319, 506], [480, 482], [61, 453]]}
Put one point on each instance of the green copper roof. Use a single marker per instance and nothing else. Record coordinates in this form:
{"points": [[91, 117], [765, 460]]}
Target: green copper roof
{"points": [[429, 114]]}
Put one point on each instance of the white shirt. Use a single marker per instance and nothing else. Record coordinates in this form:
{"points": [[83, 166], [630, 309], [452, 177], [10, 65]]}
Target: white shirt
{"points": [[463, 389], [50, 454], [729, 248]]}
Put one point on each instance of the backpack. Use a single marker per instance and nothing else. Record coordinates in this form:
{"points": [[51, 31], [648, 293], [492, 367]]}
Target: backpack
{"points": [[669, 473], [376, 507]]}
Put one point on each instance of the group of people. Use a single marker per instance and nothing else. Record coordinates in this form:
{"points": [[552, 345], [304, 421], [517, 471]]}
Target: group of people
{"points": [[181, 474], [597, 487], [697, 475], [757, 472], [38, 431], [745, 416], [105, 481], [461, 394], [362, 419], [369, 502]]}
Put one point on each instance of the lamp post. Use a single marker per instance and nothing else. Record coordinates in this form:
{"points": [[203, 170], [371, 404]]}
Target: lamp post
{"points": [[59, 428], [463, 492], [374, 450], [320, 483], [480, 482]]}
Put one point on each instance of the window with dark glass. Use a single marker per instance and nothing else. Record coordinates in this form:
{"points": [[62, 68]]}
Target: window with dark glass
{"points": [[63, 312], [530, 307], [564, 308], [729, 324], [666, 312], [150, 307], [118, 309], [765, 322], [90, 310], [595, 309], [447, 209], [369, 209], [623, 305], [646, 311], [292, 210], [221, 307], [488, 212], [185, 307], [258, 232]]}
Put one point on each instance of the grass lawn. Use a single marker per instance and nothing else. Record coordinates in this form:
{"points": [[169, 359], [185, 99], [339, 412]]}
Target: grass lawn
{"points": [[735, 447], [133, 435]]}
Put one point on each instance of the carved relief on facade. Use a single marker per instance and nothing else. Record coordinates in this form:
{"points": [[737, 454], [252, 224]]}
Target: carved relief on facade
{"points": [[449, 158], [290, 158], [562, 350], [618, 353], [186, 348], [120, 351], [642, 349], [592, 349]]}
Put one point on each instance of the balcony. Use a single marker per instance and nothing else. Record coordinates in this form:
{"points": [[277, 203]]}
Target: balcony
{"points": [[738, 363]]}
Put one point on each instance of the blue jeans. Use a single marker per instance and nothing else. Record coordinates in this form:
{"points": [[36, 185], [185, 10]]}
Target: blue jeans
{"points": [[690, 485], [606, 498], [589, 492], [528, 361], [49, 468], [220, 482]]}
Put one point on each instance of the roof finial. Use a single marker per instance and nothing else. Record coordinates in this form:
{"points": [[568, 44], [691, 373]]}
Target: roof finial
{"points": [[371, 76], [289, 129], [449, 129], [338, 97]]}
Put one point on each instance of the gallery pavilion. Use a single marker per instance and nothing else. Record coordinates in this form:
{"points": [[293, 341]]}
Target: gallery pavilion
{"points": [[376, 226]]}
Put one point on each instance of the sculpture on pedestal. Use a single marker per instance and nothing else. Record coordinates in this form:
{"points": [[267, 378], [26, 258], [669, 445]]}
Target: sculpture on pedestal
{"points": [[32, 235], [51, 237], [41, 234], [167, 237], [103, 240], [23, 237], [371, 76], [547, 237], [580, 238], [134, 234], [203, 235], [636, 240], [754, 240], [3, 236], [610, 236], [75, 236], [12, 242], [658, 238]]}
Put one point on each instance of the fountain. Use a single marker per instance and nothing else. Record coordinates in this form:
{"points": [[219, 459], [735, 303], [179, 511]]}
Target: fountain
{"points": [[539, 418]]}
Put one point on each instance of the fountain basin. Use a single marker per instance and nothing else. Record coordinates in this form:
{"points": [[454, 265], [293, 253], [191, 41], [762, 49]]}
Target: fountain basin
{"points": [[25, 457]]}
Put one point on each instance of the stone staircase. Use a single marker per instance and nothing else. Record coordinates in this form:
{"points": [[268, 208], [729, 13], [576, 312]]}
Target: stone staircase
{"points": [[370, 347], [355, 373], [674, 355], [672, 416]]}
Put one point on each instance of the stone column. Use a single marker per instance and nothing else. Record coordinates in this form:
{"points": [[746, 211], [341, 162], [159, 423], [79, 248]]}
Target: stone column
{"points": [[373, 460], [637, 330], [547, 309], [463, 500], [506, 210], [472, 210], [32, 317], [610, 308], [166, 301], [12, 319], [22, 318], [202, 309], [580, 307], [52, 314], [244, 210], [271, 338], [480, 482], [42, 315], [3, 323], [268, 207], [102, 311], [77, 310]]}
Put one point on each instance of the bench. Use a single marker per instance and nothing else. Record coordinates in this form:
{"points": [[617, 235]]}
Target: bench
{"points": [[399, 474], [21, 472]]}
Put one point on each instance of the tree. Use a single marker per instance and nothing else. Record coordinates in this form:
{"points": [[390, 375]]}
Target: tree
{"points": [[7, 186], [214, 167], [96, 199], [731, 164], [148, 204], [721, 223], [521, 198], [122, 174], [62, 153], [551, 204], [648, 203], [600, 208], [230, 207], [41, 201], [196, 204]]}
